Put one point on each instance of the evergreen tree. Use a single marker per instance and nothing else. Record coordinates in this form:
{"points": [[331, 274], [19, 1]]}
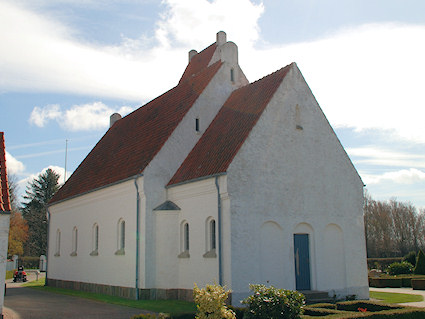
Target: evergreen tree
{"points": [[420, 264], [38, 194]]}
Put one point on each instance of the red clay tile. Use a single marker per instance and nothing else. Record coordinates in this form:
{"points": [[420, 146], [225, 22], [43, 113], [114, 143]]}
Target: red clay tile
{"points": [[4, 187], [132, 142], [222, 140]]}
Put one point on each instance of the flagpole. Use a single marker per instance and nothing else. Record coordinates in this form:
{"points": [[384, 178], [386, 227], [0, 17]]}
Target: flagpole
{"points": [[66, 154]]}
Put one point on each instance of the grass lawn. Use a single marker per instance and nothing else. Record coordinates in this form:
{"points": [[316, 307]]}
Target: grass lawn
{"points": [[390, 297], [166, 306]]}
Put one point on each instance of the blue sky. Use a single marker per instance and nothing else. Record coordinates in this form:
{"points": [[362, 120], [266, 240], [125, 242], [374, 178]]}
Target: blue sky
{"points": [[66, 65]]}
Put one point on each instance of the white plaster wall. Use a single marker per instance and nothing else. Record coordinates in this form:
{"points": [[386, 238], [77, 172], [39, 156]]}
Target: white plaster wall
{"points": [[294, 177], [4, 238], [169, 158], [104, 207], [198, 202]]}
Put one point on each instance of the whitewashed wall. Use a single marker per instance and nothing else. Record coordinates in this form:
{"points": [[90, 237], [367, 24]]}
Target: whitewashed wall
{"points": [[4, 237], [104, 207], [292, 175], [198, 202], [175, 150]]}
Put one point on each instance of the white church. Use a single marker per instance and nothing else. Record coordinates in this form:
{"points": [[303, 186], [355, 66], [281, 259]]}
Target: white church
{"points": [[217, 180]]}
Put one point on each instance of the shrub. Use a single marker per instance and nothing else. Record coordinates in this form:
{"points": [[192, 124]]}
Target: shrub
{"points": [[270, 302], [411, 258], [418, 284], [150, 316], [420, 264], [400, 268], [386, 282], [29, 262], [210, 302]]}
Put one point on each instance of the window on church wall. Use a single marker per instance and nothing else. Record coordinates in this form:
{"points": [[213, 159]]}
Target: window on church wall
{"points": [[197, 129], [210, 238], [121, 238], [232, 75], [58, 243], [186, 236], [74, 241], [95, 240], [184, 240]]}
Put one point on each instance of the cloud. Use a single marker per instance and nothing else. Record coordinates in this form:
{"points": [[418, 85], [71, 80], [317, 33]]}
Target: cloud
{"points": [[77, 118], [13, 165], [364, 77], [384, 157], [404, 176]]}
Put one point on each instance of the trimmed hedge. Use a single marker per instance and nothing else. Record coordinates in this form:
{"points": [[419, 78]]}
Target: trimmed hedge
{"points": [[386, 282], [350, 309], [29, 262], [418, 284]]}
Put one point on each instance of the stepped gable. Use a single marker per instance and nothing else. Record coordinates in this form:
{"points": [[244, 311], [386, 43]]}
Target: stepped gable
{"points": [[133, 141], [224, 137], [4, 186], [199, 62]]}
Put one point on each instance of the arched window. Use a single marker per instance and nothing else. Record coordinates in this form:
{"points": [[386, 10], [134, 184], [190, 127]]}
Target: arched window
{"points": [[95, 240], [210, 238], [184, 240], [74, 241], [58, 243], [121, 238]]}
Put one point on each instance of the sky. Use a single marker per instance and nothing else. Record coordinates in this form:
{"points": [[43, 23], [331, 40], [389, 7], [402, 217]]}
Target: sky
{"points": [[67, 65]]}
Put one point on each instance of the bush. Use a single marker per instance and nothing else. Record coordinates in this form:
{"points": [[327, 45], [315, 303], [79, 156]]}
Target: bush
{"points": [[381, 263], [210, 302], [29, 262], [150, 316], [418, 284], [386, 282], [400, 268], [411, 258], [270, 302], [420, 264]]}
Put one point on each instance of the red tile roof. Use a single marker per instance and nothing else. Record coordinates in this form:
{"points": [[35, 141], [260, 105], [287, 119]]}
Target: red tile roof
{"points": [[224, 137], [132, 142], [199, 62], [4, 186]]}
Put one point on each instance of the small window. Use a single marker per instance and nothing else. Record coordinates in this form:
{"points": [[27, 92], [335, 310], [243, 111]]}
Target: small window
{"points": [[211, 238], [121, 238], [58, 243], [95, 240], [197, 129], [232, 75], [184, 240], [74, 241]]}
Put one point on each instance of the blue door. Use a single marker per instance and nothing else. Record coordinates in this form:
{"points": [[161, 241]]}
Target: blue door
{"points": [[302, 261]]}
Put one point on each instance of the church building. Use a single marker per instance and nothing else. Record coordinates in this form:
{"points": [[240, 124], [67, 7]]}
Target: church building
{"points": [[216, 180]]}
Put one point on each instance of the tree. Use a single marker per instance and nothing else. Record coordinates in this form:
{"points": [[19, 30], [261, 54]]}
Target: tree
{"points": [[420, 264], [38, 194], [18, 231]]}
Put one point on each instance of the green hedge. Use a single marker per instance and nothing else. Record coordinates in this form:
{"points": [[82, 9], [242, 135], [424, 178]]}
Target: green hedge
{"points": [[418, 284], [386, 282], [29, 262], [350, 309]]}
